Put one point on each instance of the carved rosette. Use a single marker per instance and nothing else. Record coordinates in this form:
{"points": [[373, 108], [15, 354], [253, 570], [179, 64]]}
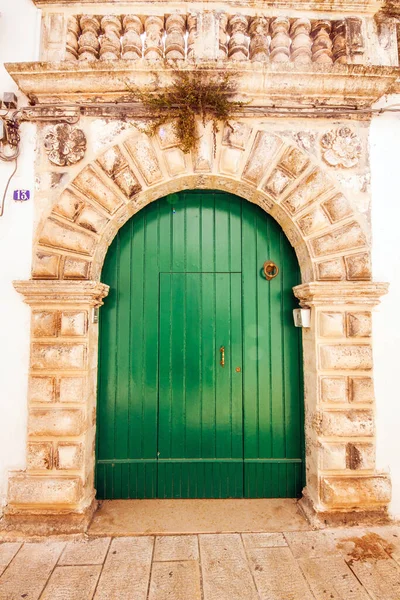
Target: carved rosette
{"points": [[341, 148], [65, 145]]}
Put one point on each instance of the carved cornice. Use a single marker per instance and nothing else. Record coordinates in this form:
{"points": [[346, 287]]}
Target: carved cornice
{"points": [[281, 84], [353, 6], [38, 292], [340, 292]]}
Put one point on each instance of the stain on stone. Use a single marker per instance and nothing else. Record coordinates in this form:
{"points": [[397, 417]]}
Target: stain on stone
{"points": [[368, 547], [353, 457]]}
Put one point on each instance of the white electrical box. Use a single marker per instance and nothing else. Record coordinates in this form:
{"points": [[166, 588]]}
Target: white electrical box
{"points": [[302, 317]]}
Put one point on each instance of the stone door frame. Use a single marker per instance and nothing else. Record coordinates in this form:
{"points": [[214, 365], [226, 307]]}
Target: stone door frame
{"points": [[331, 241]]}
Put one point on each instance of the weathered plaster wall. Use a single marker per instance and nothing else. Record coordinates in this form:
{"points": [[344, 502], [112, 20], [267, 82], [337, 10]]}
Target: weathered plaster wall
{"points": [[19, 30], [384, 148]]}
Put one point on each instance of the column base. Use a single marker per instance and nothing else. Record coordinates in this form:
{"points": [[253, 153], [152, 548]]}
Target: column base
{"points": [[360, 506], [23, 524]]}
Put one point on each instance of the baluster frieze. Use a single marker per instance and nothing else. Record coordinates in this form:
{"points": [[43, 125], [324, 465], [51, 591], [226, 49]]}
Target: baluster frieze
{"points": [[132, 45], [88, 42], [259, 46], [238, 47]]}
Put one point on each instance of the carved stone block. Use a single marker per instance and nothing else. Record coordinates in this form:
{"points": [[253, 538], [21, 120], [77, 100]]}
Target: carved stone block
{"points": [[44, 323], [332, 324], [265, 146], [63, 422], [347, 237], [39, 456], [334, 389], [41, 389], [71, 389], [58, 356], [346, 357], [68, 456], [73, 323], [359, 324], [361, 389]]}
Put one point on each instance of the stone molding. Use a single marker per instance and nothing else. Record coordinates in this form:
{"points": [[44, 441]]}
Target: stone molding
{"points": [[266, 84], [329, 237], [48, 293], [359, 6], [340, 293]]}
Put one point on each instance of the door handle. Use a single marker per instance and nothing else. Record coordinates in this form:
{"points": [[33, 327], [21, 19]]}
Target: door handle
{"points": [[222, 350]]}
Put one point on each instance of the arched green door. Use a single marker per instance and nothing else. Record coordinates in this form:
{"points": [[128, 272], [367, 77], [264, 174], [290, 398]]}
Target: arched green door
{"points": [[187, 292]]}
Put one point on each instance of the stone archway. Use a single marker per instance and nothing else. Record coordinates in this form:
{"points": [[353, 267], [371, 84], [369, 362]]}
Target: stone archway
{"points": [[332, 245]]}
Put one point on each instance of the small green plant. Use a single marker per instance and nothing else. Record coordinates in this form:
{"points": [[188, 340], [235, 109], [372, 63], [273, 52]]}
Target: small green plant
{"points": [[192, 94]]}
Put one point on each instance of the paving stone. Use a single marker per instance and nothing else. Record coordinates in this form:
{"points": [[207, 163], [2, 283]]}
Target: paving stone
{"points": [[331, 578], [126, 571], [176, 547], [263, 540], [7, 552], [225, 570], [85, 552], [72, 583], [390, 540], [319, 544], [381, 578], [277, 575], [28, 573], [175, 581]]}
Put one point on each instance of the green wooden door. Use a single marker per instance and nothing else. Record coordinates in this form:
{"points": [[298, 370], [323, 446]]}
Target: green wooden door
{"points": [[185, 278], [200, 424]]}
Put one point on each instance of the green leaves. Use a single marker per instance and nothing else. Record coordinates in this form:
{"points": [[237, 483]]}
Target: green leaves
{"points": [[192, 94]]}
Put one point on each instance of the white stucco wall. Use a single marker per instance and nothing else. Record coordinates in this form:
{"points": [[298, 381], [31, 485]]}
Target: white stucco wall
{"points": [[19, 41], [385, 166]]}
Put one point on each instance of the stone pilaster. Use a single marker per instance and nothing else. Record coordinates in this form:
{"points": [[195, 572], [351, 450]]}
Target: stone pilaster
{"points": [[58, 483], [339, 398]]}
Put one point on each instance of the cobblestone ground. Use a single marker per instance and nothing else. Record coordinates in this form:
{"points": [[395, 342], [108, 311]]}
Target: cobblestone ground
{"points": [[340, 564]]}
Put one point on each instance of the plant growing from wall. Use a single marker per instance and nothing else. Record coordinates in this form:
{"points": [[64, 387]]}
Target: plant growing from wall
{"points": [[192, 94]]}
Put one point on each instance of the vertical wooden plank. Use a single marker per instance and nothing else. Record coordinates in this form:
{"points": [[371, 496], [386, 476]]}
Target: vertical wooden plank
{"points": [[250, 349], [210, 364], [107, 369], [123, 325], [150, 332], [222, 233], [192, 233], [193, 365], [207, 234]]}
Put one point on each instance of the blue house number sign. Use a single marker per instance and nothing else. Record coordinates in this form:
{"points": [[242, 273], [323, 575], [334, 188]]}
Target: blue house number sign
{"points": [[21, 195]]}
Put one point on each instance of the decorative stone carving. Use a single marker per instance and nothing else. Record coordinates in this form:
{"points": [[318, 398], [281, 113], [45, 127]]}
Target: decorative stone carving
{"points": [[223, 37], [192, 29], [339, 48], [132, 47], [301, 41], [153, 47], [322, 44], [65, 145], [280, 40], [175, 26], [89, 39], [341, 148], [258, 39], [354, 36], [238, 48], [110, 41], [73, 30]]}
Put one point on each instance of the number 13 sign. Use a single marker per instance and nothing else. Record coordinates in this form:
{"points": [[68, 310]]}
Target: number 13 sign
{"points": [[21, 195]]}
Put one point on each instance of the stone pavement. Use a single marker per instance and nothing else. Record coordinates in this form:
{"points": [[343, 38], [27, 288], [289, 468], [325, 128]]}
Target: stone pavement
{"points": [[334, 564]]}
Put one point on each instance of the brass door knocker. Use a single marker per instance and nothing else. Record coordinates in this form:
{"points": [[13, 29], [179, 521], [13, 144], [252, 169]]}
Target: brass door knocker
{"points": [[270, 270]]}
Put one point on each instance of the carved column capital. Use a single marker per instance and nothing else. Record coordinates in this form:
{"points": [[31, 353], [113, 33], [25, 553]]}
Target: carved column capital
{"points": [[42, 292], [318, 293]]}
